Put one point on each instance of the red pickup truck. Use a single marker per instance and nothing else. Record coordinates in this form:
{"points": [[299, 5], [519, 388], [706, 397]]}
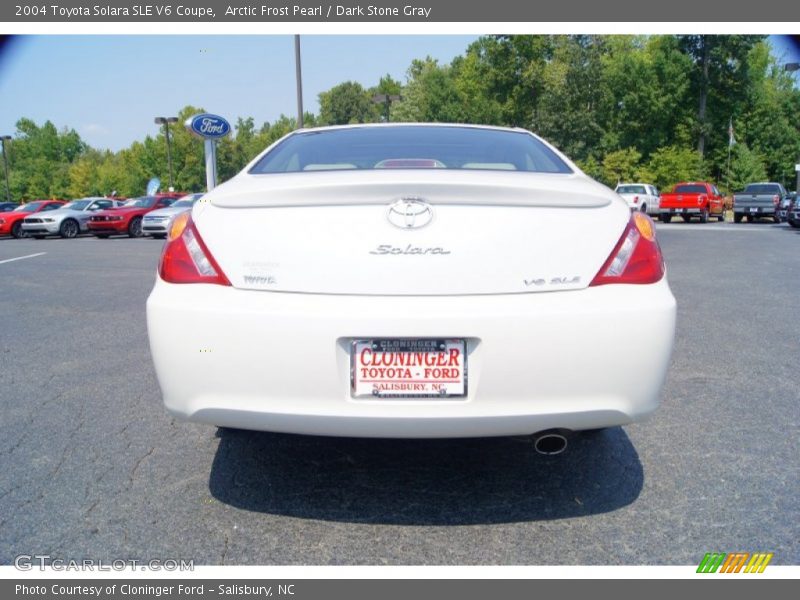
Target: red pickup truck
{"points": [[692, 199]]}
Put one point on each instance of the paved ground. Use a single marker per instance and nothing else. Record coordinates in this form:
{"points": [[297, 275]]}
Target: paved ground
{"points": [[92, 466]]}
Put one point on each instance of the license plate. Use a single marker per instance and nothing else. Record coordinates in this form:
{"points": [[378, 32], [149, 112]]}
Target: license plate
{"points": [[678, 210], [409, 368], [753, 210]]}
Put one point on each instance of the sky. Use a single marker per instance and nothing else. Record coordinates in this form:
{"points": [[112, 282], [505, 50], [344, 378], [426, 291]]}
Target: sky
{"points": [[109, 88]]}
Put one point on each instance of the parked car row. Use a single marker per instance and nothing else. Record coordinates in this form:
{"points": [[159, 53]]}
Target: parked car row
{"points": [[67, 220], [100, 216], [689, 199]]}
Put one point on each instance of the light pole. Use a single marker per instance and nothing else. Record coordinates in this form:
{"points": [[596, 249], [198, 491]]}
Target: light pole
{"points": [[386, 100], [791, 68], [165, 121], [3, 139], [299, 76]]}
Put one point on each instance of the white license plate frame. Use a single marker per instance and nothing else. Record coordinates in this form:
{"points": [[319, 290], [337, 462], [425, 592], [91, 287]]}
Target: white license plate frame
{"points": [[422, 384]]}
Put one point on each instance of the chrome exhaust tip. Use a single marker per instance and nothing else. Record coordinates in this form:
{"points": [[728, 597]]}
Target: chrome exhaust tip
{"points": [[550, 442]]}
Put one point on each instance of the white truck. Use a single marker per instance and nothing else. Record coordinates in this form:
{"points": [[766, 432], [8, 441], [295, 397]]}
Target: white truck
{"points": [[643, 197]]}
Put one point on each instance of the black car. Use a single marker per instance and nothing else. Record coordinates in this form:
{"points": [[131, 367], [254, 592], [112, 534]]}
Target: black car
{"points": [[7, 206], [793, 215]]}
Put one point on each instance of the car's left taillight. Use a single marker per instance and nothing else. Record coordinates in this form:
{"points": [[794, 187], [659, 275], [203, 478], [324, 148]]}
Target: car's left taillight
{"points": [[637, 256], [185, 258]]}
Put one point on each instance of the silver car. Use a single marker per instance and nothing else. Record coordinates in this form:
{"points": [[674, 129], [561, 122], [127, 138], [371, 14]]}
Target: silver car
{"points": [[67, 221], [157, 222]]}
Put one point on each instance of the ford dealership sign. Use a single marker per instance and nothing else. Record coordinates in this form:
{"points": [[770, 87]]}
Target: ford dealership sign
{"points": [[207, 126]]}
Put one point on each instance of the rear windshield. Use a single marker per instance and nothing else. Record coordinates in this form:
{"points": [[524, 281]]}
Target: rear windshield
{"points": [[631, 189], [690, 189], [410, 147], [762, 188]]}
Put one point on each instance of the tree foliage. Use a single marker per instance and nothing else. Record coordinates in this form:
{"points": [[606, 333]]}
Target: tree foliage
{"points": [[650, 108], [346, 103]]}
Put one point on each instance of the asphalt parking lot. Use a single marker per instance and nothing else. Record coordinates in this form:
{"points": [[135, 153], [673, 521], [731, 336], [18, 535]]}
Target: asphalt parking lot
{"points": [[94, 468]]}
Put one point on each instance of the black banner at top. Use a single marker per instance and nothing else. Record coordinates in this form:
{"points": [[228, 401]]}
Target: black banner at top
{"points": [[395, 11]]}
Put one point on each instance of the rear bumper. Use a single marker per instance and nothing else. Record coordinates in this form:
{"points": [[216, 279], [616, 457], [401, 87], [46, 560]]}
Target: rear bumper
{"points": [[694, 211], [280, 362], [754, 210]]}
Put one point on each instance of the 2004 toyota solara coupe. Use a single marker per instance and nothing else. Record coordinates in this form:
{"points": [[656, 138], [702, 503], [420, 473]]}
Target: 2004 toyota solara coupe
{"points": [[412, 281]]}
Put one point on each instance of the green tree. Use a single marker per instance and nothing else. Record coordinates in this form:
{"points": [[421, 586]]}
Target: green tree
{"points": [[746, 167], [669, 165], [720, 77], [39, 160], [509, 72], [430, 95], [346, 103], [568, 110], [620, 165], [387, 86]]}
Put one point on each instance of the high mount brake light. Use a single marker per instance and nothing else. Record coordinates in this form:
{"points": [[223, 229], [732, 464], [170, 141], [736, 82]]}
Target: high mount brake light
{"points": [[637, 258]]}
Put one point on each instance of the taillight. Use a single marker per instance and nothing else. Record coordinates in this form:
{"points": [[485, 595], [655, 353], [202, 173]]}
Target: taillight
{"points": [[636, 199], [700, 200], [185, 258], [636, 258], [775, 200]]}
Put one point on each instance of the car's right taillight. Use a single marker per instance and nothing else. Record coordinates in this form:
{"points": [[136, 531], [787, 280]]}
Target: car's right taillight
{"points": [[775, 200], [637, 256], [185, 258]]}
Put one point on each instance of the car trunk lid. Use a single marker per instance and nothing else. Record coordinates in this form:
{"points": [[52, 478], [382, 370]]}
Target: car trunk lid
{"points": [[334, 233]]}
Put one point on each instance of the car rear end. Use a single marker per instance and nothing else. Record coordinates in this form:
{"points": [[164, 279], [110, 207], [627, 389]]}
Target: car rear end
{"points": [[687, 200], [758, 200], [634, 195], [412, 303]]}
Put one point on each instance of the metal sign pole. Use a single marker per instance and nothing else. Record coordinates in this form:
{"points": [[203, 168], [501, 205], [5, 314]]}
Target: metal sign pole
{"points": [[209, 128], [211, 164]]}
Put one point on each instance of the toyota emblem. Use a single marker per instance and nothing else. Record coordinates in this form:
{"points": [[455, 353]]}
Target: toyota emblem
{"points": [[410, 213]]}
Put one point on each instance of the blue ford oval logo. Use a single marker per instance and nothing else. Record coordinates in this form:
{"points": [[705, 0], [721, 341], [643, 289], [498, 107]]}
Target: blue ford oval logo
{"points": [[207, 126]]}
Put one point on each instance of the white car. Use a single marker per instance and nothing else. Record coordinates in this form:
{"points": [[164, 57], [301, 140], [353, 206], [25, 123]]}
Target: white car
{"points": [[156, 223], [67, 221], [640, 196], [412, 280]]}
